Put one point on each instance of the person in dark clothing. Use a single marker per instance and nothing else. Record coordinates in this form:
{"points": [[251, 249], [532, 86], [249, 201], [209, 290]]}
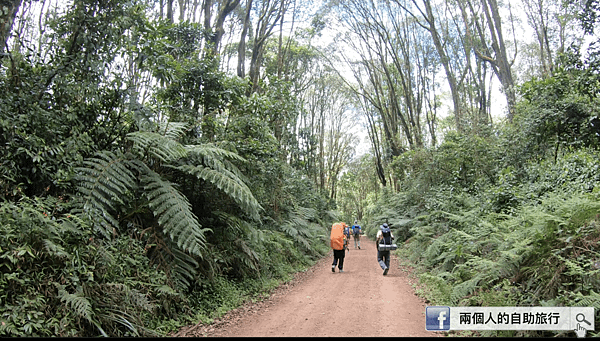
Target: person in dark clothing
{"points": [[384, 236], [339, 250], [356, 230]]}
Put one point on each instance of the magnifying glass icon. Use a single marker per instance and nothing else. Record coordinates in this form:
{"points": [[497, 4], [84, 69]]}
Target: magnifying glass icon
{"points": [[581, 318]]}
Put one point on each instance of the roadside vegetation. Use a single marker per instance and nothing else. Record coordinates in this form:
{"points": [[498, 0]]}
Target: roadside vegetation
{"points": [[509, 217]]}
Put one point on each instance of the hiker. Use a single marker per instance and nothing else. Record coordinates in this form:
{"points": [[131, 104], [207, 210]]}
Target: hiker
{"points": [[338, 243], [347, 234], [357, 231], [384, 236]]}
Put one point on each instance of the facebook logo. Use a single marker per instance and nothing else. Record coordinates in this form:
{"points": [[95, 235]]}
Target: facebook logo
{"points": [[437, 318]]}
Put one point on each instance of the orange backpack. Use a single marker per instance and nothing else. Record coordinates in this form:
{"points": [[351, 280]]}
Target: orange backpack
{"points": [[337, 236]]}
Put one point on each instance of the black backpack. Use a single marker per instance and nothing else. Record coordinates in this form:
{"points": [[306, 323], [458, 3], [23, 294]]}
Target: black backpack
{"points": [[387, 235], [386, 243]]}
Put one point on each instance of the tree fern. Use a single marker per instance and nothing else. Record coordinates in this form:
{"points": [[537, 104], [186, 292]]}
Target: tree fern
{"points": [[161, 143], [229, 183], [184, 268], [156, 145], [213, 152], [111, 182], [174, 214], [171, 130], [104, 181], [300, 228], [251, 257]]}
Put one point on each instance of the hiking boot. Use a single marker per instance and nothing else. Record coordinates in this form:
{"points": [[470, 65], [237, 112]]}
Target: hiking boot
{"points": [[333, 268], [385, 271]]}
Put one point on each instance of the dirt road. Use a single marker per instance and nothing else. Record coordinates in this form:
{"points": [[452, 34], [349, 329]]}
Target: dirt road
{"points": [[358, 302]]}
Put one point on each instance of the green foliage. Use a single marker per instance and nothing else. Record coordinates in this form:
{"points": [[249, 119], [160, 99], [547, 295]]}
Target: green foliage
{"points": [[109, 187], [560, 111], [462, 162], [58, 280], [540, 254], [509, 218], [391, 209], [56, 108], [303, 229]]}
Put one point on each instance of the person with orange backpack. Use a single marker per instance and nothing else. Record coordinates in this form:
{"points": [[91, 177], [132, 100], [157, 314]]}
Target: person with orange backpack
{"points": [[338, 243]]}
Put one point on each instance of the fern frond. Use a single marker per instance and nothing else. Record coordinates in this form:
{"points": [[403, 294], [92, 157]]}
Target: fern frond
{"points": [[77, 302], [55, 249], [331, 216], [300, 228], [464, 289], [184, 268], [162, 147], [174, 214], [289, 229], [229, 184], [211, 151], [167, 290], [128, 296], [104, 181], [250, 233], [106, 177], [218, 159], [72, 225], [307, 213], [591, 300], [251, 257], [172, 130]]}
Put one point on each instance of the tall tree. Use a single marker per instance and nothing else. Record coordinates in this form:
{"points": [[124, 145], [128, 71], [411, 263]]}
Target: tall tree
{"points": [[391, 46], [474, 82], [269, 14], [489, 44], [538, 15], [217, 31], [429, 24], [241, 67], [324, 125]]}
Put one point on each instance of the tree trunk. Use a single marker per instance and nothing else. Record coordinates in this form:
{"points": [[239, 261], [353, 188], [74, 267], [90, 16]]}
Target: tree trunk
{"points": [[446, 64], [8, 11], [269, 15], [224, 10], [538, 15], [207, 9], [504, 68], [170, 10], [241, 70]]}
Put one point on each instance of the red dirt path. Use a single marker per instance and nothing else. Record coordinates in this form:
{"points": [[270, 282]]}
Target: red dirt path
{"points": [[360, 302]]}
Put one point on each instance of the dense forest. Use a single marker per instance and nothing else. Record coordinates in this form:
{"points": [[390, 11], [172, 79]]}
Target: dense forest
{"points": [[163, 161]]}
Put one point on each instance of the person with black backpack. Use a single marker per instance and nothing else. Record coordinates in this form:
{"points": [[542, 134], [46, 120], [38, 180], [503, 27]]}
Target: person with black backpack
{"points": [[384, 237]]}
